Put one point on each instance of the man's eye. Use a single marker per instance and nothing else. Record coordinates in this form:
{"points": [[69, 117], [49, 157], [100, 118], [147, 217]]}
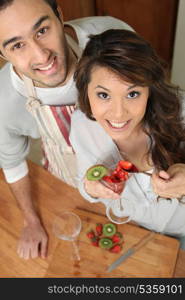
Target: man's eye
{"points": [[17, 46], [103, 95], [42, 31], [133, 95]]}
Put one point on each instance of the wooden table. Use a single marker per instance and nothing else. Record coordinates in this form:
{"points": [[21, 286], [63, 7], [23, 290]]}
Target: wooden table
{"points": [[51, 196]]}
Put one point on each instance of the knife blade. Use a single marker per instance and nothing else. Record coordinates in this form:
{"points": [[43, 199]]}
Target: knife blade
{"points": [[131, 251]]}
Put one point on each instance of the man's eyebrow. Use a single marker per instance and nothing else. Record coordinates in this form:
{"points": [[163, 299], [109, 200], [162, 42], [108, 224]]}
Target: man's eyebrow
{"points": [[17, 38], [12, 40], [39, 22]]}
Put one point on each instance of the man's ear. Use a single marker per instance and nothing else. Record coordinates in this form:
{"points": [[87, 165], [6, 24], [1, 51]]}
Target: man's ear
{"points": [[60, 13], [2, 56]]}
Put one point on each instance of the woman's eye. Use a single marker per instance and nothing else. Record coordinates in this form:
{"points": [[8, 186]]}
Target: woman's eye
{"points": [[133, 95], [103, 95]]}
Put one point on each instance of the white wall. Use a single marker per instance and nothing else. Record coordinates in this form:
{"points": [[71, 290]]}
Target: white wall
{"points": [[178, 65]]}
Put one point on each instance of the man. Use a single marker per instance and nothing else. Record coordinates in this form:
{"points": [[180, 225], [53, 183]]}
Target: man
{"points": [[42, 52]]}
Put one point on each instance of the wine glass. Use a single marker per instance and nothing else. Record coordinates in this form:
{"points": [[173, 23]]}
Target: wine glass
{"points": [[67, 226], [115, 210]]}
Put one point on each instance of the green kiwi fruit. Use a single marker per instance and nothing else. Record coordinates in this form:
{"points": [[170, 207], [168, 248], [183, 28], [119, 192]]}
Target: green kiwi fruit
{"points": [[109, 229], [96, 172], [105, 243]]}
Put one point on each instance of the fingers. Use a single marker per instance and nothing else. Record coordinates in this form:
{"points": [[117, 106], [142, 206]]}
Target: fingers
{"points": [[98, 190], [27, 250], [43, 249], [32, 244], [32, 251], [164, 175]]}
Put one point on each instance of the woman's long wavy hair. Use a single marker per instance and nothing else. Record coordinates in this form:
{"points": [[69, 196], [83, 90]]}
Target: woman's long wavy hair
{"points": [[134, 60]]}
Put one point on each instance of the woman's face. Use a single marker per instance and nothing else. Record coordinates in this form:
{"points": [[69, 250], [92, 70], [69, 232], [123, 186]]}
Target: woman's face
{"points": [[117, 105]]}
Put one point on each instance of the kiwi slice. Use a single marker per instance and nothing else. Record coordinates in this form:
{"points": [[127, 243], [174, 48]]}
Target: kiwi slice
{"points": [[96, 172], [109, 229], [105, 243]]}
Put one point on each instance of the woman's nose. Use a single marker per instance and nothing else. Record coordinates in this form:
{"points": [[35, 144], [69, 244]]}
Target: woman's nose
{"points": [[119, 109]]}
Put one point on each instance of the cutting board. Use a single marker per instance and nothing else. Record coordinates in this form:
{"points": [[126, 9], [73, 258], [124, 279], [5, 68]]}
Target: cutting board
{"points": [[156, 259]]}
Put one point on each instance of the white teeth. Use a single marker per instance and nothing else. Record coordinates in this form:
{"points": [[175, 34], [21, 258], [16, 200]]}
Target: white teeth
{"points": [[117, 125], [48, 67]]}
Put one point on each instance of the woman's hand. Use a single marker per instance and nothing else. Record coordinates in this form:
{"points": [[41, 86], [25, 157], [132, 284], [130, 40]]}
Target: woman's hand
{"points": [[97, 190], [170, 183]]}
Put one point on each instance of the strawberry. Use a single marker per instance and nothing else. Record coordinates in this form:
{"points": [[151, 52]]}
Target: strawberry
{"points": [[118, 168], [90, 234], [122, 175], [99, 228], [117, 237], [116, 248], [124, 164], [95, 241], [134, 169], [114, 179], [107, 178]]}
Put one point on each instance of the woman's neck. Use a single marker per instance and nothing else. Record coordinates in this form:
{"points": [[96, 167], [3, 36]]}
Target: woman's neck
{"points": [[135, 149]]}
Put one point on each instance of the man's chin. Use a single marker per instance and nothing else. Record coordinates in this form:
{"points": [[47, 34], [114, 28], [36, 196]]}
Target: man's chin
{"points": [[48, 84]]}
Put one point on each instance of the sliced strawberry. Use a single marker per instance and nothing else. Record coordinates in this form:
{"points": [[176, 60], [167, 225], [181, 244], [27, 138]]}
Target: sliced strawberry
{"points": [[118, 168], [116, 248], [124, 164], [90, 234], [95, 242], [99, 228], [114, 179], [107, 178], [122, 175], [115, 172]]}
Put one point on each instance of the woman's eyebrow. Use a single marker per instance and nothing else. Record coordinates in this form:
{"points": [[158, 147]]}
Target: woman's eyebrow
{"points": [[131, 86], [102, 87]]}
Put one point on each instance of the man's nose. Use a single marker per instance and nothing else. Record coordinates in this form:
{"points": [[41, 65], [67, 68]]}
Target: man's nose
{"points": [[40, 54]]}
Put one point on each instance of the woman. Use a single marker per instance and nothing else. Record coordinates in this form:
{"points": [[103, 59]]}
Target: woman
{"points": [[128, 110]]}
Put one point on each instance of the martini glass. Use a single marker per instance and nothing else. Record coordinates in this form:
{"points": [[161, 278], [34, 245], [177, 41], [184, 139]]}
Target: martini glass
{"points": [[67, 226], [115, 210]]}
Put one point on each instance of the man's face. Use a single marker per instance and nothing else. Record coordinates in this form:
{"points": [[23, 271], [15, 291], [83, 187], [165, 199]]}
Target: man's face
{"points": [[32, 39]]}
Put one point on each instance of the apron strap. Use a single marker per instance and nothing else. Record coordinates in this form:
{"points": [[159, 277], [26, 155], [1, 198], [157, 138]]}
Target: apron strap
{"points": [[29, 86]]}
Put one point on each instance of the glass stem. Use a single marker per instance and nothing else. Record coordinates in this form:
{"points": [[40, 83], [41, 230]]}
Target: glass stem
{"points": [[120, 205], [76, 250]]}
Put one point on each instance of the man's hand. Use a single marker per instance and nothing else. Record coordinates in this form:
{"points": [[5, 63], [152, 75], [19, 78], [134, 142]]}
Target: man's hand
{"points": [[170, 183], [97, 190], [33, 241]]}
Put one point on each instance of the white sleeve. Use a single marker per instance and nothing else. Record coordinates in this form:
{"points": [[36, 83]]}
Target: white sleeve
{"points": [[16, 173], [81, 143]]}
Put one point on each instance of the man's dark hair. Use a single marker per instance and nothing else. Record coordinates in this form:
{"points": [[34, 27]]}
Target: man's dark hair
{"points": [[51, 3]]}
